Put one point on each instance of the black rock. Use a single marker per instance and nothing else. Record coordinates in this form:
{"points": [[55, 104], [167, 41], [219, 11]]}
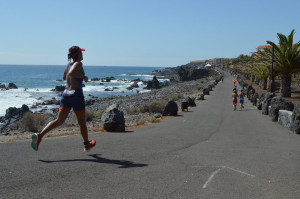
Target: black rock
{"points": [[154, 84], [113, 119], [170, 109], [266, 103], [206, 91], [278, 103], [12, 86], [59, 88], [191, 102]]}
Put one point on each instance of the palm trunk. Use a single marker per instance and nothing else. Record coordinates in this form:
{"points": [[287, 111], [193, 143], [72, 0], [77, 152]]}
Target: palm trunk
{"points": [[260, 83], [256, 80], [285, 85], [268, 83], [264, 83]]}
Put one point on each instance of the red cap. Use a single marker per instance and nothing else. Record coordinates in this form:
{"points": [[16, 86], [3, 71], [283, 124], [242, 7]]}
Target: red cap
{"points": [[79, 50]]}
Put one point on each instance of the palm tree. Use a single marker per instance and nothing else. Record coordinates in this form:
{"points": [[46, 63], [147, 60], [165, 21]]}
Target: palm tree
{"points": [[262, 73], [287, 59], [262, 68]]}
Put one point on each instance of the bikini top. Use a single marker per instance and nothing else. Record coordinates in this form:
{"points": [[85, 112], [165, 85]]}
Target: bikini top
{"points": [[79, 80]]}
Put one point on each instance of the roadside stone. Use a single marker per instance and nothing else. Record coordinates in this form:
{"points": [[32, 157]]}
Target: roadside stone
{"points": [[191, 102], [296, 119], [267, 102], [254, 98], [259, 104], [205, 91], [249, 88], [113, 119], [278, 103], [201, 97], [285, 118], [170, 109]]}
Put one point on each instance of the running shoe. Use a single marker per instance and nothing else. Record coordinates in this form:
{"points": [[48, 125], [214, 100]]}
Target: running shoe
{"points": [[90, 145], [36, 140]]}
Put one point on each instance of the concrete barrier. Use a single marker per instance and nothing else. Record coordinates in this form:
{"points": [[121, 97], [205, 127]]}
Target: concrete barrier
{"points": [[285, 118]]}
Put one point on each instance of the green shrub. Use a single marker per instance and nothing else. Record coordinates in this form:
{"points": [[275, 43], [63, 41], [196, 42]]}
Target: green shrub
{"points": [[157, 106], [144, 108], [98, 114], [33, 121], [90, 114], [132, 110], [173, 96], [199, 88], [153, 107]]}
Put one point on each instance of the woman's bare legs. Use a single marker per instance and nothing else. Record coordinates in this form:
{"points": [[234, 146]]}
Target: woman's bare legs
{"points": [[62, 115], [82, 124]]}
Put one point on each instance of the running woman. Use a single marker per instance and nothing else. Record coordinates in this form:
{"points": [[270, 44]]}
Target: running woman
{"points": [[234, 98], [72, 97], [241, 96]]}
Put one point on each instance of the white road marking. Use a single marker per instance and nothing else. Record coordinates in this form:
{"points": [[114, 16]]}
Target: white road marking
{"points": [[211, 177], [241, 172], [218, 170]]}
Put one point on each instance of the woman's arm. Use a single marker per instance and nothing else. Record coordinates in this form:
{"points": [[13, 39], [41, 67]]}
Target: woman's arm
{"points": [[76, 70], [65, 73]]}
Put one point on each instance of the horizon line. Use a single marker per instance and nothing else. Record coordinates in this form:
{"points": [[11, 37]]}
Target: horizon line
{"points": [[85, 65]]}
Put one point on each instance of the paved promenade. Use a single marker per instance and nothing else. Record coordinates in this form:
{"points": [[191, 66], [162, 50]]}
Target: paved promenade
{"points": [[209, 152]]}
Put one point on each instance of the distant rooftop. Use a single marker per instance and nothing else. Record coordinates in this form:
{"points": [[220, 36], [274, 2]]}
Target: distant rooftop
{"points": [[264, 46]]}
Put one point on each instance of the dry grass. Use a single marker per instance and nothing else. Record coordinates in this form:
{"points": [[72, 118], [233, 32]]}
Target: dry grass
{"points": [[32, 122]]}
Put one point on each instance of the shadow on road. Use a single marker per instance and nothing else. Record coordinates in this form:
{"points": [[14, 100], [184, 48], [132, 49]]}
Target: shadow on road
{"points": [[120, 132], [97, 159]]}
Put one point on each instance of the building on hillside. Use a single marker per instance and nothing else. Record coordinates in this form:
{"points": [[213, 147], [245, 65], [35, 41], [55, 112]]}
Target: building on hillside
{"points": [[217, 61], [199, 62], [212, 62], [261, 48]]}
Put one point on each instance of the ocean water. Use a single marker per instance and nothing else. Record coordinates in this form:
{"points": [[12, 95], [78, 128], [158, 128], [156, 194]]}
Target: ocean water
{"points": [[35, 83]]}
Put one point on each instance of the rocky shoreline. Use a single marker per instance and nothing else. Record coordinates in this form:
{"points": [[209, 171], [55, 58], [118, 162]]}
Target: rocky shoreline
{"points": [[186, 82]]}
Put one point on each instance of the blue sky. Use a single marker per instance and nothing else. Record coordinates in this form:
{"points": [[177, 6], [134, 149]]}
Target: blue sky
{"points": [[164, 33]]}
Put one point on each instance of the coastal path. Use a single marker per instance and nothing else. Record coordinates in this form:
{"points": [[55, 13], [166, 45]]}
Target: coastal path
{"points": [[208, 152]]}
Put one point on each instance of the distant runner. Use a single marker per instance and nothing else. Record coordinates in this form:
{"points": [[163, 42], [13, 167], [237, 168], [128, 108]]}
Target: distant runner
{"points": [[234, 98], [234, 81], [72, 97], [241, 96]]}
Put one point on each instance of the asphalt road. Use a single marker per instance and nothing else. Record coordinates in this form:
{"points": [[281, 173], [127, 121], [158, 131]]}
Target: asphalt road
{"points": [[209, 152]]}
